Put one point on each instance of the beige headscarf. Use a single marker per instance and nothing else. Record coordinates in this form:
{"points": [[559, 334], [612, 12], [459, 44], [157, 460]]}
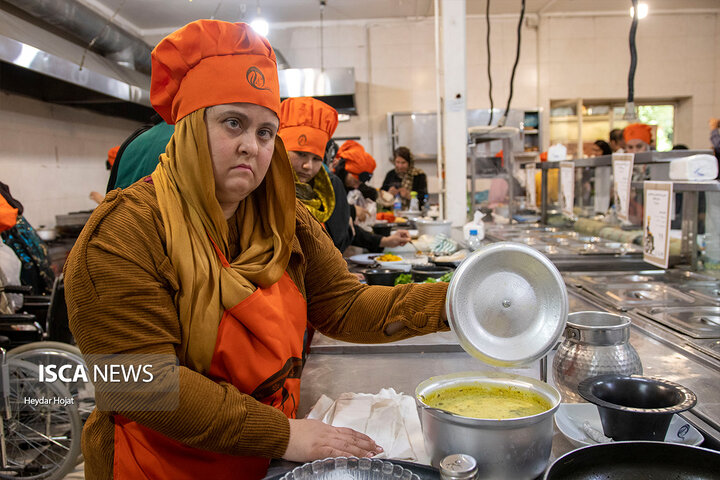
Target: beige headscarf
{"points": [[191, 214]]}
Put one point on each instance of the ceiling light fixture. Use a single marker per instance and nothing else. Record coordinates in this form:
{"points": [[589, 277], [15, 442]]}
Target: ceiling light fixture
{"points": [[642, 11], [259, 24]]}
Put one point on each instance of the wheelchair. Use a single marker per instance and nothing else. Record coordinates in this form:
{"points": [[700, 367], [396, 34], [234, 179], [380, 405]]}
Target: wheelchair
{"points": [[41, 429], [39, 335]]}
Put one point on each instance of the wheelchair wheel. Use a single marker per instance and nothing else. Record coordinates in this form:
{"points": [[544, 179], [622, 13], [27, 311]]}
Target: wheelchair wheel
{"points": [[58, 353], [42, 439]]}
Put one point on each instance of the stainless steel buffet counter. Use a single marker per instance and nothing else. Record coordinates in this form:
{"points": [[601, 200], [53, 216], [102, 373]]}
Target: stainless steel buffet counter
{"points": [[335, 367], [671, 344]]}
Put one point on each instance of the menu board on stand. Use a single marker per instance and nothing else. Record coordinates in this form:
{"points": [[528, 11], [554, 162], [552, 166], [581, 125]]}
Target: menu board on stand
{"points": [[656, 222]]}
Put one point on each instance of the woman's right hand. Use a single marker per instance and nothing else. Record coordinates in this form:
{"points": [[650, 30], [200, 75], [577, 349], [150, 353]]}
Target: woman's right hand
{"points": [[393, 191], [313, 440]]}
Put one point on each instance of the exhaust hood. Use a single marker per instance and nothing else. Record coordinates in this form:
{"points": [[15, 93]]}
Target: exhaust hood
{"points": [[37, 63], [334, 86], [53, 65]]}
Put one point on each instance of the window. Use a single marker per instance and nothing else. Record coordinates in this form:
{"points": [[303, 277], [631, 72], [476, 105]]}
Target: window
{"points": [[599, 117]]}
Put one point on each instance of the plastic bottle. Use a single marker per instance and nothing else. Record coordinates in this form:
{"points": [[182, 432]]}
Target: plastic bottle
{"points": [[397, 205], [474, 241], [414, 203], [476, 224]]}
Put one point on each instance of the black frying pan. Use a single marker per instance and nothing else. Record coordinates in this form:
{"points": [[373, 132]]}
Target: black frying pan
{"points": [[637, 460]]}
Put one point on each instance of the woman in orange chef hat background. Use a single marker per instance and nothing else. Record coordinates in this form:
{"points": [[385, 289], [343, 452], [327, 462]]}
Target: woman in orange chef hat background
{"points": [[355, 167], [210, 261], [638, 138], [306, 125]]}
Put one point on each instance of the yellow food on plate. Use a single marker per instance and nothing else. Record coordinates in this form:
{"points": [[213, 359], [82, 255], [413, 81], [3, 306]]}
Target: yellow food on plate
{"points": [[400, 220], [388, 257], [486, 401]]}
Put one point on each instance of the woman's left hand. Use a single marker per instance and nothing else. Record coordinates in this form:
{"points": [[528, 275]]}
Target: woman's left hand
{"points": [[312, 440], [404, 192]]}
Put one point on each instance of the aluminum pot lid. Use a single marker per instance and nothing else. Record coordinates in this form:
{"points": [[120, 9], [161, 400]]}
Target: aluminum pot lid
{"points": [[507, 304]]}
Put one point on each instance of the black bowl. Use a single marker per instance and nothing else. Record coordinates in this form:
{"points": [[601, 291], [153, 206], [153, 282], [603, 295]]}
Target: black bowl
{"points": [[383, 229], [381, 276], [636, 407], [420, 273]]}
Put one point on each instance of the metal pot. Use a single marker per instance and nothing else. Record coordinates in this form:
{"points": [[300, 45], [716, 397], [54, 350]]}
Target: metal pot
{"points": [[511, 449], [596, 343]]}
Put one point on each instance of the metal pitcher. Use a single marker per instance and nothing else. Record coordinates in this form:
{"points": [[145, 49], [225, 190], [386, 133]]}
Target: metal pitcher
{"points": [[596, 343]]}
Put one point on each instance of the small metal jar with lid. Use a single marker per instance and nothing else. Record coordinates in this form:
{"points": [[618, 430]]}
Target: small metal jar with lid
{"points": [[458, 467]]}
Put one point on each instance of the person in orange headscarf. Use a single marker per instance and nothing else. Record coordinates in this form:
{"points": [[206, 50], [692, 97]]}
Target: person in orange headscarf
{"points": [[638, 138], [355, 168], [207, 273], [111, 155]]}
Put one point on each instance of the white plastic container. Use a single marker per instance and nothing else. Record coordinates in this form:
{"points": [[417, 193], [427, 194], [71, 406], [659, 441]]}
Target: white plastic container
{"points": [[695, 168], [434, 227]]}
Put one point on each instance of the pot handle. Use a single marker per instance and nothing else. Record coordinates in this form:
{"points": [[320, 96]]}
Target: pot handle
{"points": [[572, 333]]}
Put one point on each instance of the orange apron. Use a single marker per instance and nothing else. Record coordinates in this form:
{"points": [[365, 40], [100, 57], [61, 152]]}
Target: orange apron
{"points": [[260, 350]]}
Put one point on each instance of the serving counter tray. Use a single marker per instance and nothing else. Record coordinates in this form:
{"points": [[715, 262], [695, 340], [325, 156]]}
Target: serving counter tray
{"points": [[696, 321], [644, 276], [649, 294]]}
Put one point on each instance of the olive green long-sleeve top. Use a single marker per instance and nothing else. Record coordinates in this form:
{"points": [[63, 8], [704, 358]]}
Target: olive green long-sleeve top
{"points": [[120, 288]]}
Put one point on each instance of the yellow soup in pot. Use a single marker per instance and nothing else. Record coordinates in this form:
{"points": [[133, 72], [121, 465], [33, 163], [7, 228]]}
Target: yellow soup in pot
{"points": [[486, 401]]}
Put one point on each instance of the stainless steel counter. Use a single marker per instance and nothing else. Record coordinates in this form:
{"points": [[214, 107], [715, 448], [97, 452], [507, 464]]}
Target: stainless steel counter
{"points": [[334, 368]]}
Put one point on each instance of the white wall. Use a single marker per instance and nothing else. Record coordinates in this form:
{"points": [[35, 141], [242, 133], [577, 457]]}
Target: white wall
{"points": [[53, 156], [564, 57]]}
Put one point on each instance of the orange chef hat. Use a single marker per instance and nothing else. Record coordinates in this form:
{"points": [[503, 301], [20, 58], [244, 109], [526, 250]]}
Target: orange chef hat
{"points": [[357, 160], [306, 124], [112, 153], [357, 164], [210, 62], [347, 146], [638, 131]]}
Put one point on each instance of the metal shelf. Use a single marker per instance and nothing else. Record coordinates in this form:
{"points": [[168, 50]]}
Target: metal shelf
{"points": [[689, 191], [483, 134], [682, 186]]}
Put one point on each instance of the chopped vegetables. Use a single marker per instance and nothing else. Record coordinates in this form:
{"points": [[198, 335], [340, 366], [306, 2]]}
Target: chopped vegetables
{"points": [[446, 278], [404, 278]]}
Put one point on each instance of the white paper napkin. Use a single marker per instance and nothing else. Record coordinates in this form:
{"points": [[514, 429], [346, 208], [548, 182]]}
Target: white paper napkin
{"points": [[388, 417]]}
